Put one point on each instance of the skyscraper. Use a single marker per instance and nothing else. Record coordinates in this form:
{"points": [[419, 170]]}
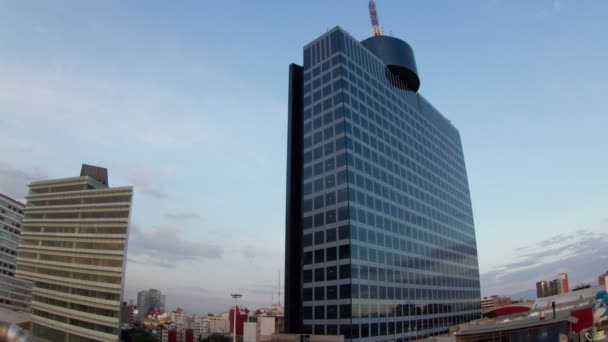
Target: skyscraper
{"points": [[150, 301], [380, 241], [73, 248], [15, 294]]}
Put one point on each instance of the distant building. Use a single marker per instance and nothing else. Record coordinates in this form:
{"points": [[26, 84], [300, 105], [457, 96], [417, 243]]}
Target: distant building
{"points": [[198, 326], [127, 314], [602, 278], [172, 335], [261, 328], [217, 325], [561, 284], [250, 331], [73, 248], [554, 287], [149, 302], [536, 321], [543, 289], [241, 318], [495, 301], [15, 294]]}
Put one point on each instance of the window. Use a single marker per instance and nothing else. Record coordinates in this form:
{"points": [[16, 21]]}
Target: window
{"points": [[345, 311], [332, 273], [319, 314], [332, 312], [344, 271], [307, 276], [308, 258], [319, 256], [331, 254], [318, 202], [330, 235], [319, 236], [308, 312], [319, 293], [319, 274], [332, 292], [307, 294], [344, 251], [345, 292]]}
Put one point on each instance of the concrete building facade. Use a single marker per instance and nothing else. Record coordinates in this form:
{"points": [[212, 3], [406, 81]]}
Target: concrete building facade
{"points": [[73, 247]]}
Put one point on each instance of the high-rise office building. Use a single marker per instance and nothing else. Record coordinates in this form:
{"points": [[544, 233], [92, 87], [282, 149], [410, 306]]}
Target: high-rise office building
{"points": [[150, 301], [380, 241], [73, 248], [15, 294]]}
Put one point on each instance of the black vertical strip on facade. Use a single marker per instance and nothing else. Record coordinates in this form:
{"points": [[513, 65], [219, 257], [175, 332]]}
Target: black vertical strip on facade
{"points": [[293, 219]]}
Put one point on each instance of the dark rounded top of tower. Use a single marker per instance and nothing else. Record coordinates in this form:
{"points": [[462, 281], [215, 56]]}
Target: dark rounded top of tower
{"points": [[398, 57]]}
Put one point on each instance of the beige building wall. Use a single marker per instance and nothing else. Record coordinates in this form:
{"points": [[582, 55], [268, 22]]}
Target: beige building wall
{"points": [[73, 249]]}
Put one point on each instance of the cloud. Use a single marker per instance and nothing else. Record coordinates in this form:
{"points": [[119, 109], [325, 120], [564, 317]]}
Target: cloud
{"points": [[557, 239], [263, 290], [162, 246], [14, 181], [249, 252], [183, 216], [196, 289], [41, 29], [582, 256], [557, 5], [169, 171], [142, 181]]}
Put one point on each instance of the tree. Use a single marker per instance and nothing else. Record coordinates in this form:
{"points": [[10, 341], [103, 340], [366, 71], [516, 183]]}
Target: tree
{"points": [[143, 336], [216, 338]]}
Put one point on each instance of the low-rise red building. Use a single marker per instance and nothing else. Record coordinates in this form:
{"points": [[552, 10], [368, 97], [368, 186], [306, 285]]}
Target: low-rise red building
{"points": [[189, 336], [241, 318]]}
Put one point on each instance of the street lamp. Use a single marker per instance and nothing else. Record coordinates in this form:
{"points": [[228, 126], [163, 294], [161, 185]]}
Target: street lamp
{"points": [[235, 296]]}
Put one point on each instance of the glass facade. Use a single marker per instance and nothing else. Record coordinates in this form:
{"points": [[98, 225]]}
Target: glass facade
{"points": [[150, 301], [389, 250], [15, 294]]}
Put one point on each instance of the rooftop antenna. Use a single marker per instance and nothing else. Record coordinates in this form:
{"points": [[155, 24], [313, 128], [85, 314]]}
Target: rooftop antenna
{"points": [[376, 29], [279, 288]]}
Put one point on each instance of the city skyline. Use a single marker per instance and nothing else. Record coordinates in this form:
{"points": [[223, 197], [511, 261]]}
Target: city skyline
{"points": [[182, 105]]}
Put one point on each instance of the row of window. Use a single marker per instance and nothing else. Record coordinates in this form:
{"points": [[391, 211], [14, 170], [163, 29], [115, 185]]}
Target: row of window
{"points": [[330, 180], [325, 119], [394, 123], [414, 329], [374, 73], [394, 120], [433, 258], [452, 248], [373, 273], [365, 291]]}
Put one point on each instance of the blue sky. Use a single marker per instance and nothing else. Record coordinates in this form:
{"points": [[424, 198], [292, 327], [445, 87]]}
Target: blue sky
{"points": [[187, 102]]}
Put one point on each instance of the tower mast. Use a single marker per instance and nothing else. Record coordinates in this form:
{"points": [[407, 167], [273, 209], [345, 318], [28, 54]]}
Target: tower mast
{"points": [[376, 29]]}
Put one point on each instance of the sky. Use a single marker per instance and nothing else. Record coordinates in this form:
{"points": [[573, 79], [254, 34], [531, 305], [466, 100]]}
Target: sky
{"points": [[187, 102]]}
